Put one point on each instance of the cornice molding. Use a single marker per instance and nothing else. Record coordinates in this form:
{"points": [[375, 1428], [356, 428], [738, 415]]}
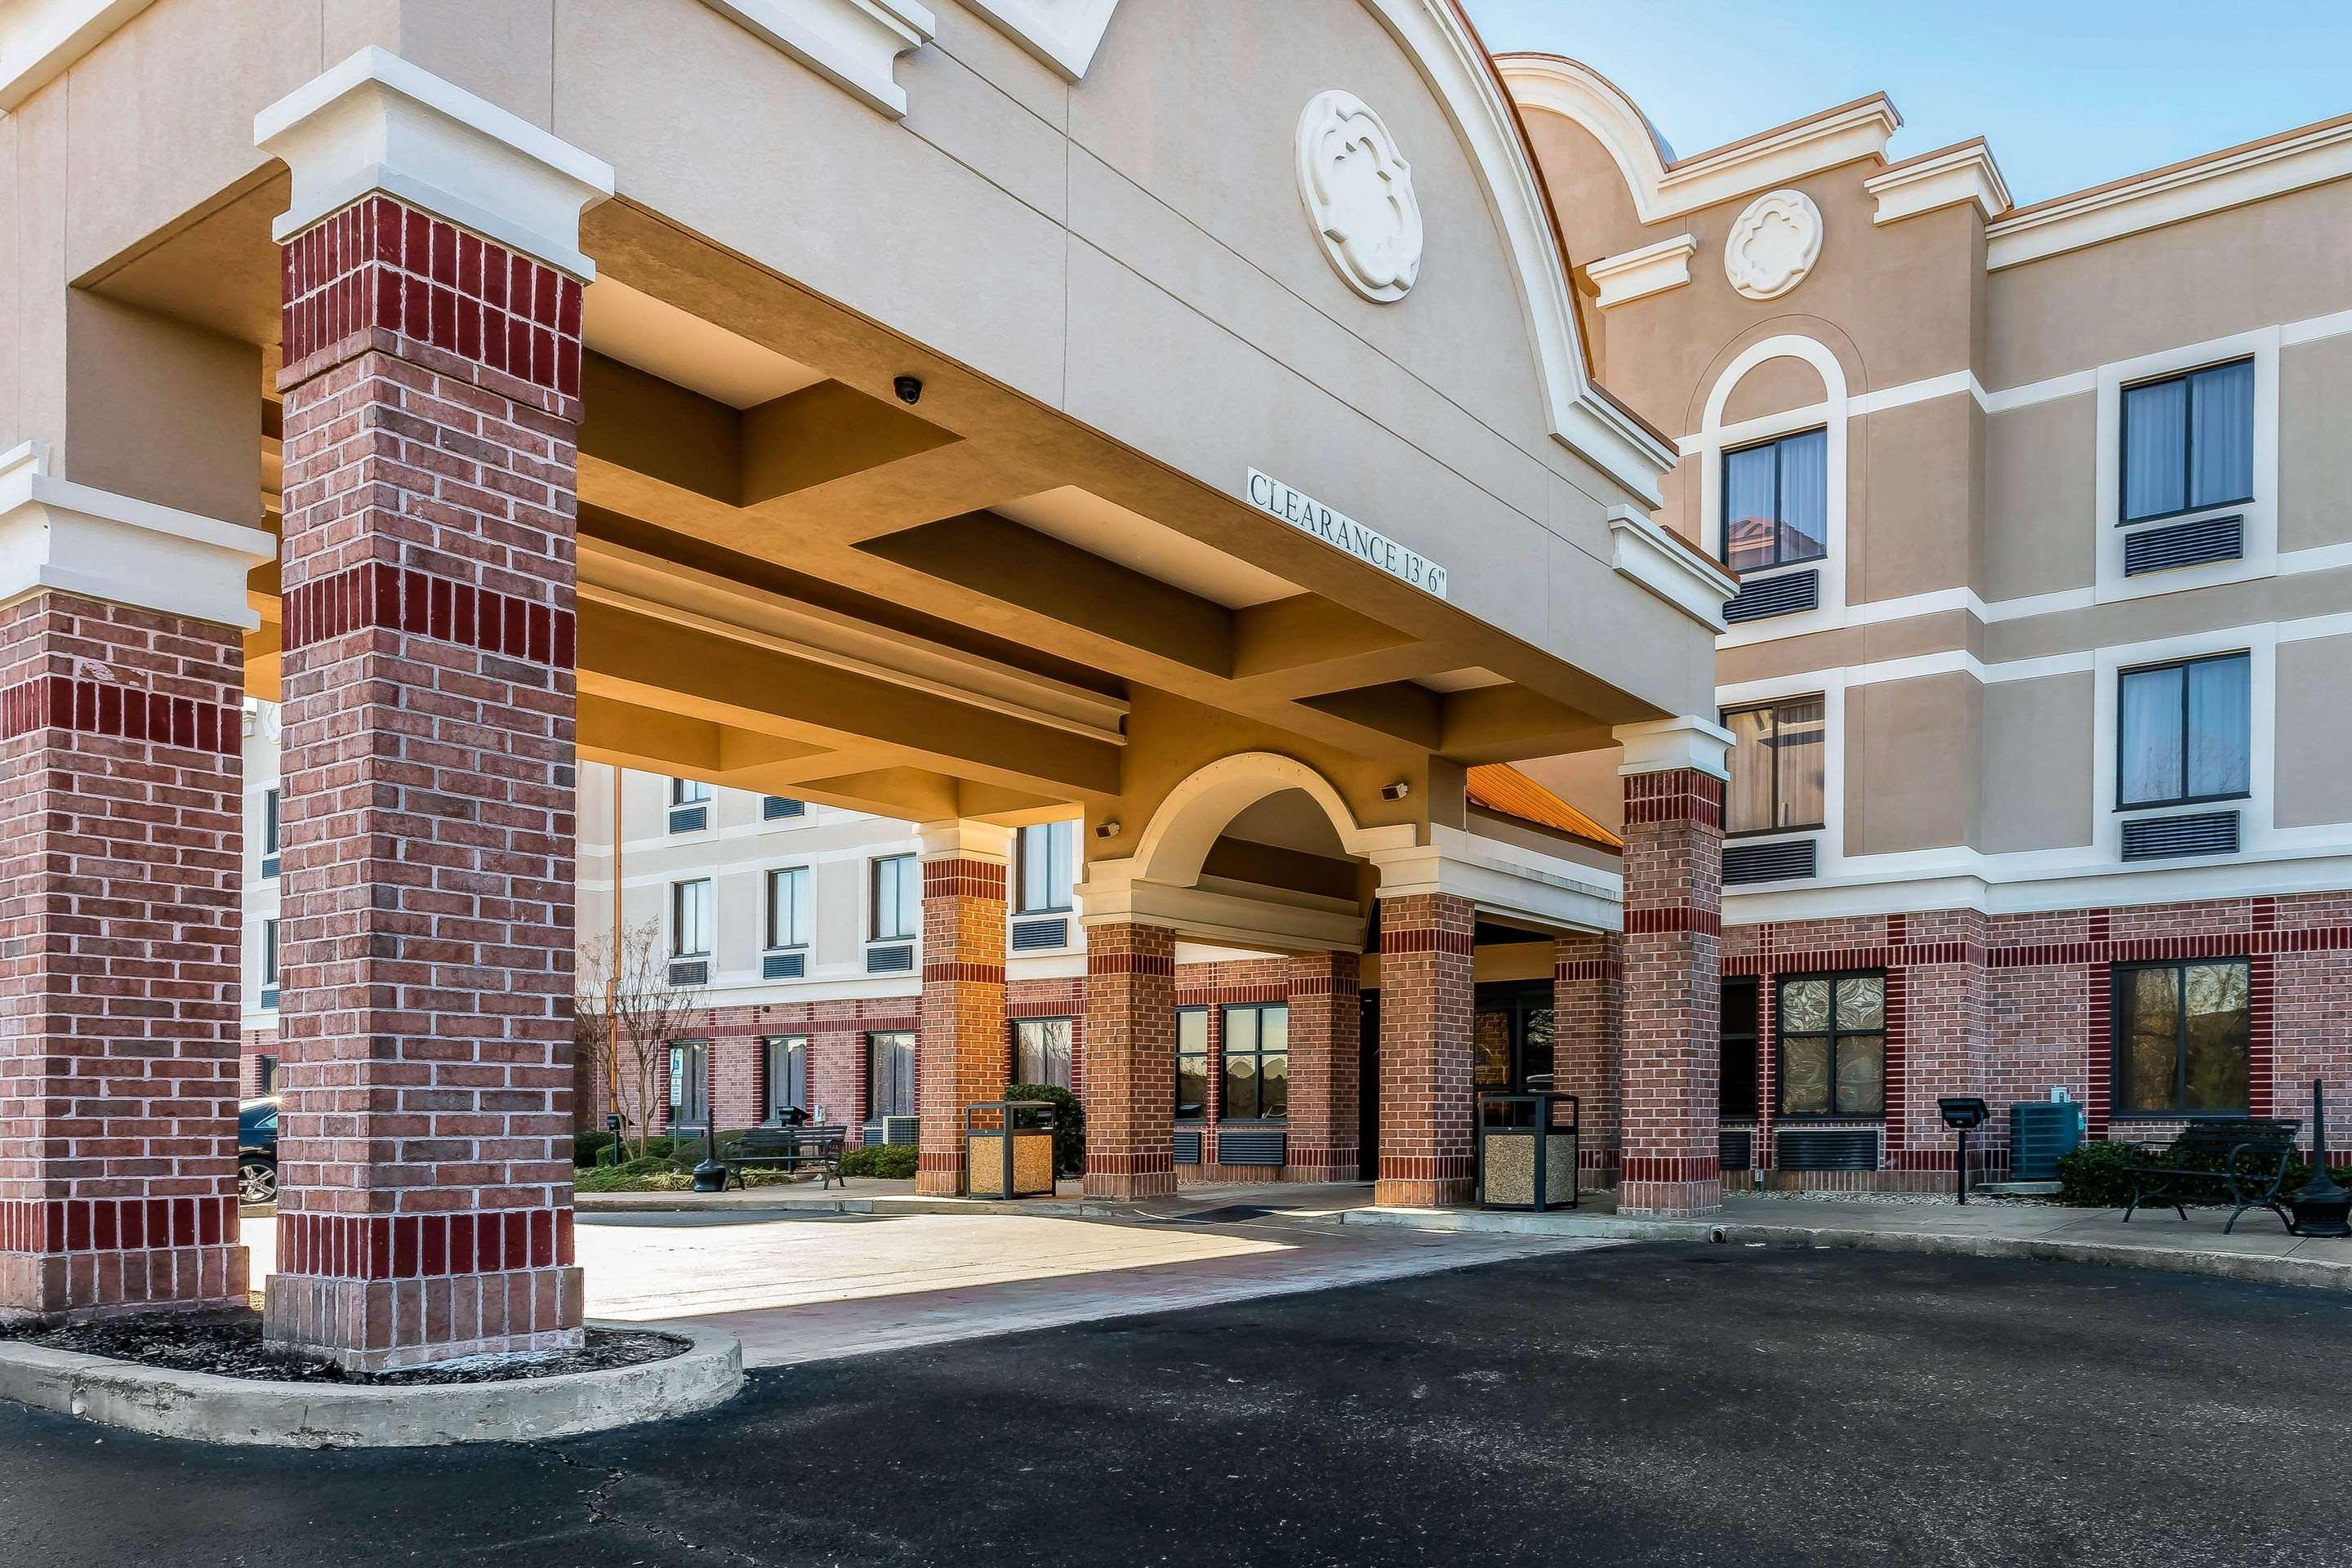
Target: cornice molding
{"points": [[1934, 181], [1063, 34], [1637, 274], [1640, 549], [40, 40], [852, 44]]}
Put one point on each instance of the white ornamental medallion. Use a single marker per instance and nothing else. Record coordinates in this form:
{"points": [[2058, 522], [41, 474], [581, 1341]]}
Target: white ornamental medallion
{"points": [[1773, 245], [1359, 194]]}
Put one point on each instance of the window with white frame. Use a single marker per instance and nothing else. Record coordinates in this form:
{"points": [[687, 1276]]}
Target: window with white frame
{"points": [[689, 791], [2189, 442], [2184, 732], [788, 907], [1779, 766], [690, 918], [269, 956], [1776, 502], [270, 808], [1048, 873], [898, 898]]}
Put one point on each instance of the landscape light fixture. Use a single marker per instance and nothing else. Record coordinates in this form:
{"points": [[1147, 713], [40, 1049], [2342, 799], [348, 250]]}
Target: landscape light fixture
{"points": [[1962, 1113]]}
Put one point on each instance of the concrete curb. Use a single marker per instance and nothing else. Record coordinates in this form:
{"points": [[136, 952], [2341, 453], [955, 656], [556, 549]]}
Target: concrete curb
{"points": [[691, 1203], [245, 1412], [2309, 1272]]}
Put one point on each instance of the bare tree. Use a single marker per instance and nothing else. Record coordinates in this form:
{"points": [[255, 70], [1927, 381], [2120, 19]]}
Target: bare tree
{"points": [[627, 1012]]}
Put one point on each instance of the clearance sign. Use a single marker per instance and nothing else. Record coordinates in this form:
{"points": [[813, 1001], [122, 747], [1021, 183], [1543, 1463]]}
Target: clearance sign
{"points": [[1341, 531]]}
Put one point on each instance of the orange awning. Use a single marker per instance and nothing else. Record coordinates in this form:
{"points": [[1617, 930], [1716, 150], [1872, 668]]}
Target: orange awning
{"points": [[1504, 790]]}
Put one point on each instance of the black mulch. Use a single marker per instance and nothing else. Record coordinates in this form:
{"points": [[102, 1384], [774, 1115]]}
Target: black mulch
{"points": [[230, 1344]]}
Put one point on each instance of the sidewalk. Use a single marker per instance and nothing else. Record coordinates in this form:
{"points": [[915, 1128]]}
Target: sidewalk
{"points": [[2260, 1251]]}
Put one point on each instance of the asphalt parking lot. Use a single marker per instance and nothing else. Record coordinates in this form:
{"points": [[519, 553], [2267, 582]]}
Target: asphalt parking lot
{"points": [[1636, 1405]]}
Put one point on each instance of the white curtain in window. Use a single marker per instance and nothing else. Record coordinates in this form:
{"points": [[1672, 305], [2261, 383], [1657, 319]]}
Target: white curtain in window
{"points": [[1802, 757], [2221, 725], [2221, 422], [788, 907], [2155, 423], [2149, 715], [1749, 504], [1749, 805], [1804, 495]]}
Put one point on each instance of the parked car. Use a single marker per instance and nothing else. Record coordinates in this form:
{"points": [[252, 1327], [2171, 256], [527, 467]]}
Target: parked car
{"points": [[256, 1150]]}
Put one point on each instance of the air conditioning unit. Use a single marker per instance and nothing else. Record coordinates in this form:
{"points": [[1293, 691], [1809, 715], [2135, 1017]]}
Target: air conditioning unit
{"points": [[896, 959], [1040, 936], [777, 807], [690, 972], [688, 818], [902, 1129], [783, 966]]}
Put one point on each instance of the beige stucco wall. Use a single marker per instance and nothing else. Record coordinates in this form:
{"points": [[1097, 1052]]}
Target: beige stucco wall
{"points": [[2315, 734], [2315, 458], [2036, 763], [2040, 475], [1911, 750]]}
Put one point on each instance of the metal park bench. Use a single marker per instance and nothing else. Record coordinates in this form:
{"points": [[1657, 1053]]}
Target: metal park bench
{"points": [[2245, 1159], [790, 1149]]}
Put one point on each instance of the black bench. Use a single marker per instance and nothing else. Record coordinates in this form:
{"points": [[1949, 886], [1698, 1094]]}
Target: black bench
{"points": [[2247, 1159], [792, 1148]]}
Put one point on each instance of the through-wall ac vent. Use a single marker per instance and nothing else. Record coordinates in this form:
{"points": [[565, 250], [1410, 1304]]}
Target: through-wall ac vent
{"points": [[896, 960], [1252, 1145], [1779, 861], [2184, 545], [1188, 1146], [1040, 936], [688, 818], [1766, 596], [1735, 1148], [1828, 1149], [776, 808], [2168, 837], [690, 972], [783, 966]]}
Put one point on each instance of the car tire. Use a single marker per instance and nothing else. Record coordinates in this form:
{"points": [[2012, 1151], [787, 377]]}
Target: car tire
{"points": [[256, 1181]]}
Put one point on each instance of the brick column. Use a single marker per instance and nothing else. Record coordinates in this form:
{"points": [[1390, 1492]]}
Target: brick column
{"points": [[1671, 1044], [1425, 1003], [122, 808], [964, 1049], [1586, 974], [1130, 1083], [1326, 1053]]}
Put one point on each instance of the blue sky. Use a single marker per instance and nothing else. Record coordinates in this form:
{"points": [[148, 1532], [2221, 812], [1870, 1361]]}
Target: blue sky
{"points": [[2070, 92]]}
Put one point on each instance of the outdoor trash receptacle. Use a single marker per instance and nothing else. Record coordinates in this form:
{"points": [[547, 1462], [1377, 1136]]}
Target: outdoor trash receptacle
{"points": [[1527, 1150], [1008, 1148]]}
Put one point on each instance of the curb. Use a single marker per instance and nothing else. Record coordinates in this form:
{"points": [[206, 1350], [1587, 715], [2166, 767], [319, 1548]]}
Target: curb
{"points": [[2309, 1272], [690, 1203], [245, 1411]]}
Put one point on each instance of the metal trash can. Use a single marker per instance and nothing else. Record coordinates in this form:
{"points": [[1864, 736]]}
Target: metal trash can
{"points": [[1527, 1151], [1008, 1148]]}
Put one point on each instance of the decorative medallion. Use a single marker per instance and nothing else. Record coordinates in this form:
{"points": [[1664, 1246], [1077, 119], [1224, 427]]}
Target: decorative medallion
{"points": [[1359, 194], [1773, 245]]}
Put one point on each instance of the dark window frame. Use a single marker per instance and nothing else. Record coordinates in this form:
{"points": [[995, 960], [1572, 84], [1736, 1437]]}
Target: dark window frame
{"points": [[2121, 751], [1780, 1032], [911, 914], [1211, 1091], [1773, 706], [269, 953], [1723, 503], [2119, 1034], [700, 1088], [678, 948], [1258, 1055], [681, 791], [1754, 1040], [1012, 1047], [272, 828], [873, 1110], [776, 875], [1023, 904], [2124, 518], [769, 1047]]}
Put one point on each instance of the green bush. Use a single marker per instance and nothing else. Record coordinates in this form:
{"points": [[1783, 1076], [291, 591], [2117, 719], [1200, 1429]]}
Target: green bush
{"points": [[887, 1162], [588, 1148], [646, 1175], [1069, 1124], [2098, 1176]]}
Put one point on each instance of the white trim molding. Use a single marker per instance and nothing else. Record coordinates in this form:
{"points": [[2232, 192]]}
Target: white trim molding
{"points": [[1640, 549], [1505, 880], [1832, 413], [376, 122], [852, 44], [1638, 274], [1063, 34], [69, 538], [2232, 177], [961, 839], [1934, 181], [1684, 740], [40, 40], [1664, 187]]}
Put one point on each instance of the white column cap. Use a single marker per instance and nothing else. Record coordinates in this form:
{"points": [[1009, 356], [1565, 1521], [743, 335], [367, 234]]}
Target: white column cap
{"points": [[960, 839], [1686, 740]]}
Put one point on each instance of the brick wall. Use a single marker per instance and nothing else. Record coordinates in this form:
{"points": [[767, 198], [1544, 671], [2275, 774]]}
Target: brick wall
{"points": [[1587, 975], [1426, 998], [1671, 1051], [431, 418], [1325, 1057], [1213, 988], [1131, 1061], [120, 870], [963, 1033]]}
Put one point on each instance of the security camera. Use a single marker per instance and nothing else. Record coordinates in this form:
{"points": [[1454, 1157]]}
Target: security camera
{"points": [[910, 388], [1396, 791]]}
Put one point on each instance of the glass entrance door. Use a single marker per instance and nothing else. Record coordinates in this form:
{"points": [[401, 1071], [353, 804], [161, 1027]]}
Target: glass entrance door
{"points": [[1510, 1035]]}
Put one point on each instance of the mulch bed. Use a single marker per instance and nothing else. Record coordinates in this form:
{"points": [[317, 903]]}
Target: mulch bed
{"points": [[230, 1344]]}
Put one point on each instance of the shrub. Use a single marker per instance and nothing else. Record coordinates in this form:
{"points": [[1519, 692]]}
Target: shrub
{"points": [[887, 1162], [2098, 1176], [588, 1148], [1069, 1124], [646, 1175]]}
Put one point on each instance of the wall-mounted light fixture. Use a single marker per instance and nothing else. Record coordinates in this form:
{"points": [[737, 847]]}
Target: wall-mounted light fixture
{"points": [[1107, 830], [1396, 791]]}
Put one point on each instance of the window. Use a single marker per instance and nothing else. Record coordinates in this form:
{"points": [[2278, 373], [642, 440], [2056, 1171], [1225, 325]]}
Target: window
{"points": [[2186, 732], [898, 897], [1776, 502], [1257, 1063], [689, 791], [689, 919], [1041, 1051], [2182, 1038], [788, 1083], [2189, 442], [1191, 1064], [1833, 1046], [890, 1074], [264, 1075], [269, 953], [1510, 1035], [1047, 868], [1738, 1031], [1778, 766], [788, 907], [690, 1083], [269, 831]]}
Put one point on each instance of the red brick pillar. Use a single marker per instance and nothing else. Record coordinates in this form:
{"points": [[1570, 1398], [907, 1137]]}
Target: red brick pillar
{"points": [[1130, 1084], [964, 1050], [1585, 980], [1672, 1045], [1425, 1003], [1326, 1051], [121, 805], [432, 407]]}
